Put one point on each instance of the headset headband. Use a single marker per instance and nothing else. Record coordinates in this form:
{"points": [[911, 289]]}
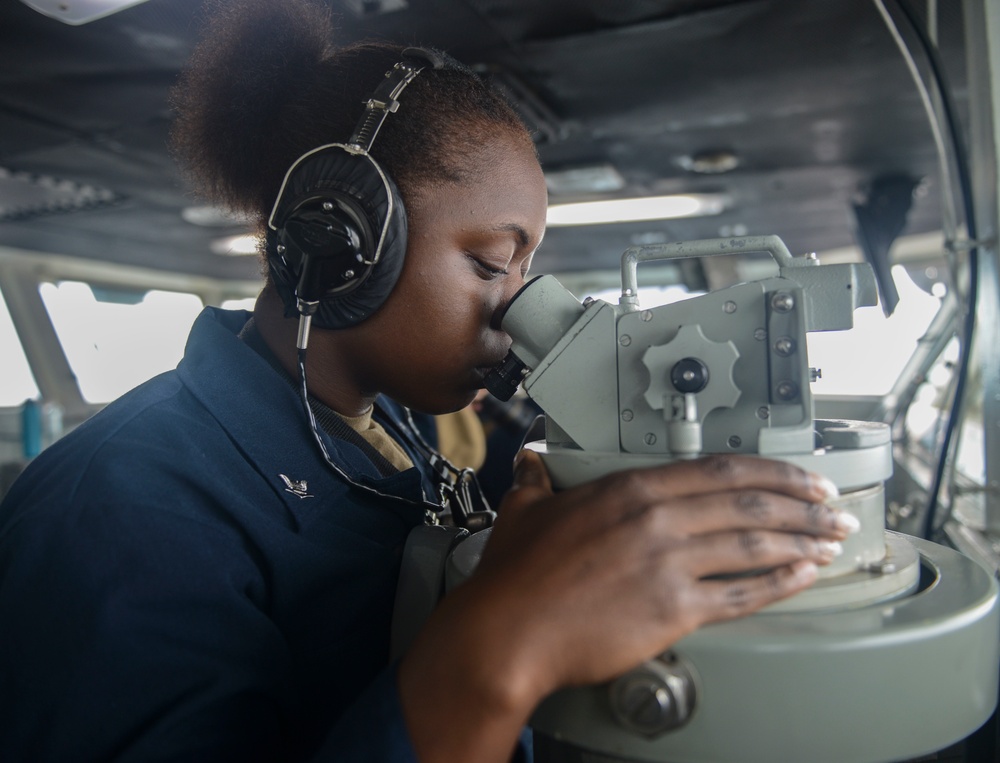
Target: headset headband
{"points": [[382, 102]]}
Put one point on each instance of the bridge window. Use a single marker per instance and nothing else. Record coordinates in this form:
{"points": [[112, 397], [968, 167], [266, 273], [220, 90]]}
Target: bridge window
{"points": [[115, 339], [869, 358], [16, 382]]}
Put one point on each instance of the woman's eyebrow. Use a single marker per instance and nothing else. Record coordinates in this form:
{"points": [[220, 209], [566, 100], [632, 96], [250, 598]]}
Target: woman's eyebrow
{"points": [[522, 235]]}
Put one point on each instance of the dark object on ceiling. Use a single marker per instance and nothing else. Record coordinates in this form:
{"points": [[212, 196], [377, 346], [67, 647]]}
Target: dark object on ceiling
{"points": [[880, 218], [787, 107]]}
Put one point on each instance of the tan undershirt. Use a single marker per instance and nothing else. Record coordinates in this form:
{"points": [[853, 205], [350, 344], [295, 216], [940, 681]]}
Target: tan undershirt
{"points": [[379, 439], [461, 438]]}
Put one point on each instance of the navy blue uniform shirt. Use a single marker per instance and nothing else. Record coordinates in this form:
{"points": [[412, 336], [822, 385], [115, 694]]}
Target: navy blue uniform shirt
{"points": [[166, 595]]}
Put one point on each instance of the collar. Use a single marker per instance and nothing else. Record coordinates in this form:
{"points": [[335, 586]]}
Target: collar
{"points": [[329, 420], [264, 416]]}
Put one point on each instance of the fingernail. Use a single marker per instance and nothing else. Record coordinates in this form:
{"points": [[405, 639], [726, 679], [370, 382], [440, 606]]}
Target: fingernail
{"points": [[830, 548], [848, 522], [805, 570], [827, 487]]}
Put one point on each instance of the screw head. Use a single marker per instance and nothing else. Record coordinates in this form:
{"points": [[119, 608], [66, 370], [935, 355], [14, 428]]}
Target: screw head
{"points": [[729, 307], [625, 340], [735, 442], [784, 346], [646, 316], [327, 206], [787, 390], [649, 439], [348, 275], [782, 302], [627, 415], [760, 335]]}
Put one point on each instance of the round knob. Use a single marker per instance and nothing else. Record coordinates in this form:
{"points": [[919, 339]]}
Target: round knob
{"points": [[689, 375], [656, 697], [684, 361]]}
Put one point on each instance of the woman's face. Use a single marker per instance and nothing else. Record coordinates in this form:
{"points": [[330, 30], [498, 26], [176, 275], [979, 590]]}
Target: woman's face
{"points": [[469, 248]]}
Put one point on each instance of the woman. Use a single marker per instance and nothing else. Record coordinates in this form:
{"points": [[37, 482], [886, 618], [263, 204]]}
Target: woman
{"points": [[205, 572]]}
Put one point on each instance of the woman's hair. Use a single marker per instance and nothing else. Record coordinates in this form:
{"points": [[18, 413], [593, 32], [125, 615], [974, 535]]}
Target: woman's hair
{"points": [[267, 84]]}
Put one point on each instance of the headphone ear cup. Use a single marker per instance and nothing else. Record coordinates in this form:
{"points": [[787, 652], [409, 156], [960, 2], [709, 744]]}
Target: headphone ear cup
{"points": [[339, 236]]}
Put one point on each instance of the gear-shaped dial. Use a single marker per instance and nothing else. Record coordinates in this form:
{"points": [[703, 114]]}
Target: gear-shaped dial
{"points": [[688, 362]]}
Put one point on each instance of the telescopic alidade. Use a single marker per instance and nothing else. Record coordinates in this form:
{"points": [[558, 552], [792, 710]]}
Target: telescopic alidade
{"points": [[893, 653]]}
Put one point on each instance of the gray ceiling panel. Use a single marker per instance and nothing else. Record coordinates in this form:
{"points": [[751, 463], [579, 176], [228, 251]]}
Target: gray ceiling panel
{"points": [[810, 96]]}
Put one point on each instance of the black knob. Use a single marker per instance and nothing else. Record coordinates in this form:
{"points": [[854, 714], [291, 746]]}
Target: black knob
{"points": [[689, 375]]}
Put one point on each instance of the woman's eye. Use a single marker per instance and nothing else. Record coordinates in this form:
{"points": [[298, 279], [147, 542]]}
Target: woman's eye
{"points": [[491, 271]]}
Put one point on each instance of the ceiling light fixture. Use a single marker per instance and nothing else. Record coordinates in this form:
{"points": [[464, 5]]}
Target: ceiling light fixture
{"points": [[638, 209], [590, 178], [76, 12], [213, 217], [235, 245], [714, 162]]}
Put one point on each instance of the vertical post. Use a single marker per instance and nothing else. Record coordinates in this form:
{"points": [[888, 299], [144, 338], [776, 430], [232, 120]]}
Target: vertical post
{"points": [[982, 32], [52, 372]]}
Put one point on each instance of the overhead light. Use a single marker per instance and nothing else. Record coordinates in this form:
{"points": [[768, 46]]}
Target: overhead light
{"points": [[26, 195], [713, 162], [76, 12], [236, 246], [590, 178], [212, 217], [638, 209]]}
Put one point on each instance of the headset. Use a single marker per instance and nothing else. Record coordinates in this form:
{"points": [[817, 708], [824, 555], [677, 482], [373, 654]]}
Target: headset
{"points": [[337, 231], [335, 249]]}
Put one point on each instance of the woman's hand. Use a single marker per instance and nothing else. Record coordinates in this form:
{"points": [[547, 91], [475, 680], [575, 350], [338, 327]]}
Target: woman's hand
{"points": [[579, 586]]}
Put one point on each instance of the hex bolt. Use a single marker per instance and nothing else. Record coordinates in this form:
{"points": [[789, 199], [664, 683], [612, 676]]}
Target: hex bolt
{"points": [[625, 340], [782, 302], [654, 698], [627, 415], [644, 704], [784, 346]]}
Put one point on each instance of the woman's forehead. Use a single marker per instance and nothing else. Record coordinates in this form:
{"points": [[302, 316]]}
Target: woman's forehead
{"points": [[503, 192]]}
